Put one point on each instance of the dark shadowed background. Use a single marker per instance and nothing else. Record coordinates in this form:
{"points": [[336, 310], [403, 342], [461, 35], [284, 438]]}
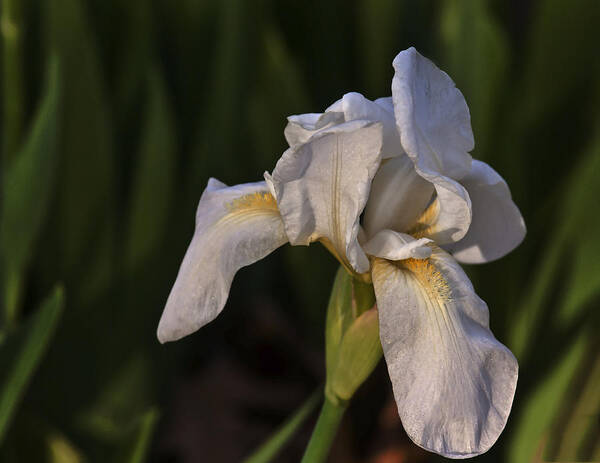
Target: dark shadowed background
{"points": [[114, 116]]}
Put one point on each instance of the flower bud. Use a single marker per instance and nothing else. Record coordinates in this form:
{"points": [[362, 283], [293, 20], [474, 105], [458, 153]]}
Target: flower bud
{"points": [[352, 341]]}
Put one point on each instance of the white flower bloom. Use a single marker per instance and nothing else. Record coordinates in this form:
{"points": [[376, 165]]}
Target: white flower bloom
{"points": [[389, 187]]}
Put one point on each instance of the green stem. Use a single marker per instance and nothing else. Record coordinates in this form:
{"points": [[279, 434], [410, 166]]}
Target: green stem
{"points": [[324, 432], [10, 26], [269, 450]]}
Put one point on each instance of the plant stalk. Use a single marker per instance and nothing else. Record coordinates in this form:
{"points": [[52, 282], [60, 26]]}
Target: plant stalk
{"points": [[324, 432]]}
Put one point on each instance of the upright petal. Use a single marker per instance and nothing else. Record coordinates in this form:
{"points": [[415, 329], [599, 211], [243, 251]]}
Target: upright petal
{"points": [[435, 129], [355, 107], [453, 381], [322, 187], [235, 227], [398, 197], [497, 226], [448, 217], [303, 126], [386, 103], [432, 116]]}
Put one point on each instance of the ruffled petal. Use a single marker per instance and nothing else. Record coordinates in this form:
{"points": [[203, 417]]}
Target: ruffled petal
{"points": [[435, 129], [398, 197], [448, 216], [453, 381], [235, 226], [322, 187], [386, 103], [497, 226], [392, 245], [432, 116], [357, 107], [303, 126]]}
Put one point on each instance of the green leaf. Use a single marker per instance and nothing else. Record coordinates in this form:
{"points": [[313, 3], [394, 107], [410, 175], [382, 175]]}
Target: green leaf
{"points": [[133, 56], [476, 52], [12, 77], [153, 182], [531, 430], [136, 449], [584, 248], [583, 279], [269, 450], [554, 71], [61, 450], [27, 189], [215, 147], [378, 24], [21, 354], [277, 68], [87, 179], [572, 432]]}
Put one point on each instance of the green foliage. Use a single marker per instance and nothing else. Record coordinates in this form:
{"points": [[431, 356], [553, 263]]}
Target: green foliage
{"points": [[269, 450], [116, 113], [28, 186], [152, 184], [137, 445], [21, 354]]}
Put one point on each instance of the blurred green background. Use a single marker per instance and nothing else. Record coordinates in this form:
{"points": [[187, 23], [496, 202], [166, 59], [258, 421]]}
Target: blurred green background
{"points": [[114, 116]]}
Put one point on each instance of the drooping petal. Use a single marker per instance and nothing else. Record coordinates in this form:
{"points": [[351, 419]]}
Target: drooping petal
{"points": [[303, 126], [453, 381], [432, 116], [497, 226], [355, 106], [398, 197], [322, 187], [235, 226], [392, 245]]}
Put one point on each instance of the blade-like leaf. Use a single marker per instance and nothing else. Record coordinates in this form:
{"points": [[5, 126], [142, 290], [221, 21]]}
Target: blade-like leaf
{"points": [[152, 186], [269, 450], [28, 185], [583, 282], [476, 52], [378, 24], [530, 432], [87, 178], [581, 422], [21, 353], [554, 71], [136, 449]]}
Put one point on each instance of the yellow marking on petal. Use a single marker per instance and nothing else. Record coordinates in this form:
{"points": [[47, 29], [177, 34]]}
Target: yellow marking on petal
{"points": [[261, 200], [429, 276], [425, 224], [336, 199]]}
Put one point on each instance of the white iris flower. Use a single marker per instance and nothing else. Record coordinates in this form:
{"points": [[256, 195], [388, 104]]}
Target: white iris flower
{"points": [[389, 187]]}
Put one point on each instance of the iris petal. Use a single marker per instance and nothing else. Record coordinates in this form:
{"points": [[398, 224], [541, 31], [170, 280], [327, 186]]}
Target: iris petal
{"points": [[435, 129], [497, 226], [235, 226], [453, 381], [322, 187]]}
